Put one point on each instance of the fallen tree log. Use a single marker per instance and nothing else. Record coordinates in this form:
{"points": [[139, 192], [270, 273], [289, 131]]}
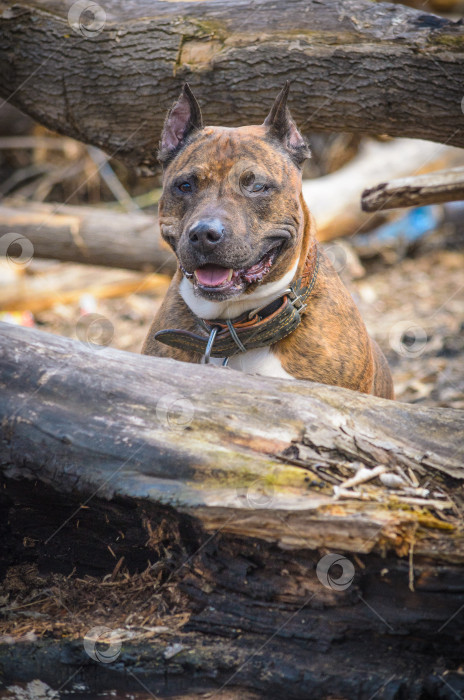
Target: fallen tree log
{"points": [[127, 437], [88, 235], [432, 188], [248, 619], [357, 66], [102, 450]]}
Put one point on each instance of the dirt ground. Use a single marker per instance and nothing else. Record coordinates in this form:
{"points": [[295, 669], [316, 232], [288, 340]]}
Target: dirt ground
{"points": [[415, 311]]}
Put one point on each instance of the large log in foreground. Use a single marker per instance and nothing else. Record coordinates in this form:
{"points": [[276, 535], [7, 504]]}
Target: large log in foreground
{"points": [[107, 76], [201, 437], [237, 465]]}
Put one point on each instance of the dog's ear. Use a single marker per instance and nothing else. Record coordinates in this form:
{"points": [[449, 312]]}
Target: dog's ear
{"points": [[183, 118], [281, 126]]}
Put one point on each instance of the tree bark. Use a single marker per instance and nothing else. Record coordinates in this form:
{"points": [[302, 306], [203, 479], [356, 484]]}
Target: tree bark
{"points": [[257, 620], [228, 466], [357, 66], [239, 452], [433, 188]]}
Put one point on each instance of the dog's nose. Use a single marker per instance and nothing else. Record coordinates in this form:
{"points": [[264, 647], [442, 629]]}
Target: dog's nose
{"points": [[206, 234]]}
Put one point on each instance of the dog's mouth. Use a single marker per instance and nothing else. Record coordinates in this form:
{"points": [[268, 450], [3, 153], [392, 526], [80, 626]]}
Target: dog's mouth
{"points": [[215, 279]]}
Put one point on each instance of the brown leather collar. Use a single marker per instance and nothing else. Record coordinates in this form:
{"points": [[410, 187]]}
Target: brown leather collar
{"points": [[253, 329]]}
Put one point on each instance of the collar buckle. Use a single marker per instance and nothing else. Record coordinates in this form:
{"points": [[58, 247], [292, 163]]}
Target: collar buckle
{"points": [[296, 300]]}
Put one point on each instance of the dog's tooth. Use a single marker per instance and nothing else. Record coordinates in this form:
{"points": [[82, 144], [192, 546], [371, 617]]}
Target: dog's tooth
{"points": [[230, 275]]}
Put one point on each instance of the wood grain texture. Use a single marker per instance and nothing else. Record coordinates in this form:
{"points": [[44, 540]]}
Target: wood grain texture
{"points": [[205, 439], [356, 65]]}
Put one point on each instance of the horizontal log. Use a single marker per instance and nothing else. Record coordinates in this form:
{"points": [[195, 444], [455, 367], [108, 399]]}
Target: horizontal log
{"points": [[432, 188], [108, 79], [253, 457], [236, 617], [89, 235]]}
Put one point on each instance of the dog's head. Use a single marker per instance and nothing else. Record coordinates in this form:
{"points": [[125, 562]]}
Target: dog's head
{"points": [[231, 207]]}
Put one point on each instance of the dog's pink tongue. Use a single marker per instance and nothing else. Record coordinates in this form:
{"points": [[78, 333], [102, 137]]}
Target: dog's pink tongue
{"points": [[212, 275]]}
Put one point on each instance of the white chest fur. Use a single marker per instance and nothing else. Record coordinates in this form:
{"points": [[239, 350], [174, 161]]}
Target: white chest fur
{"points": [[260, 360]]}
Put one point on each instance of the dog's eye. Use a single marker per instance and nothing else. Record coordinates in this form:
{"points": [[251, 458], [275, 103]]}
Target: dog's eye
{"points": [[185, 187], [258, 187]]}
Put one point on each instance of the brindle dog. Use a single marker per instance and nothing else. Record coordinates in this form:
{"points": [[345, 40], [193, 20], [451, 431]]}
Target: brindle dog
{"points": [[233, 213]]}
